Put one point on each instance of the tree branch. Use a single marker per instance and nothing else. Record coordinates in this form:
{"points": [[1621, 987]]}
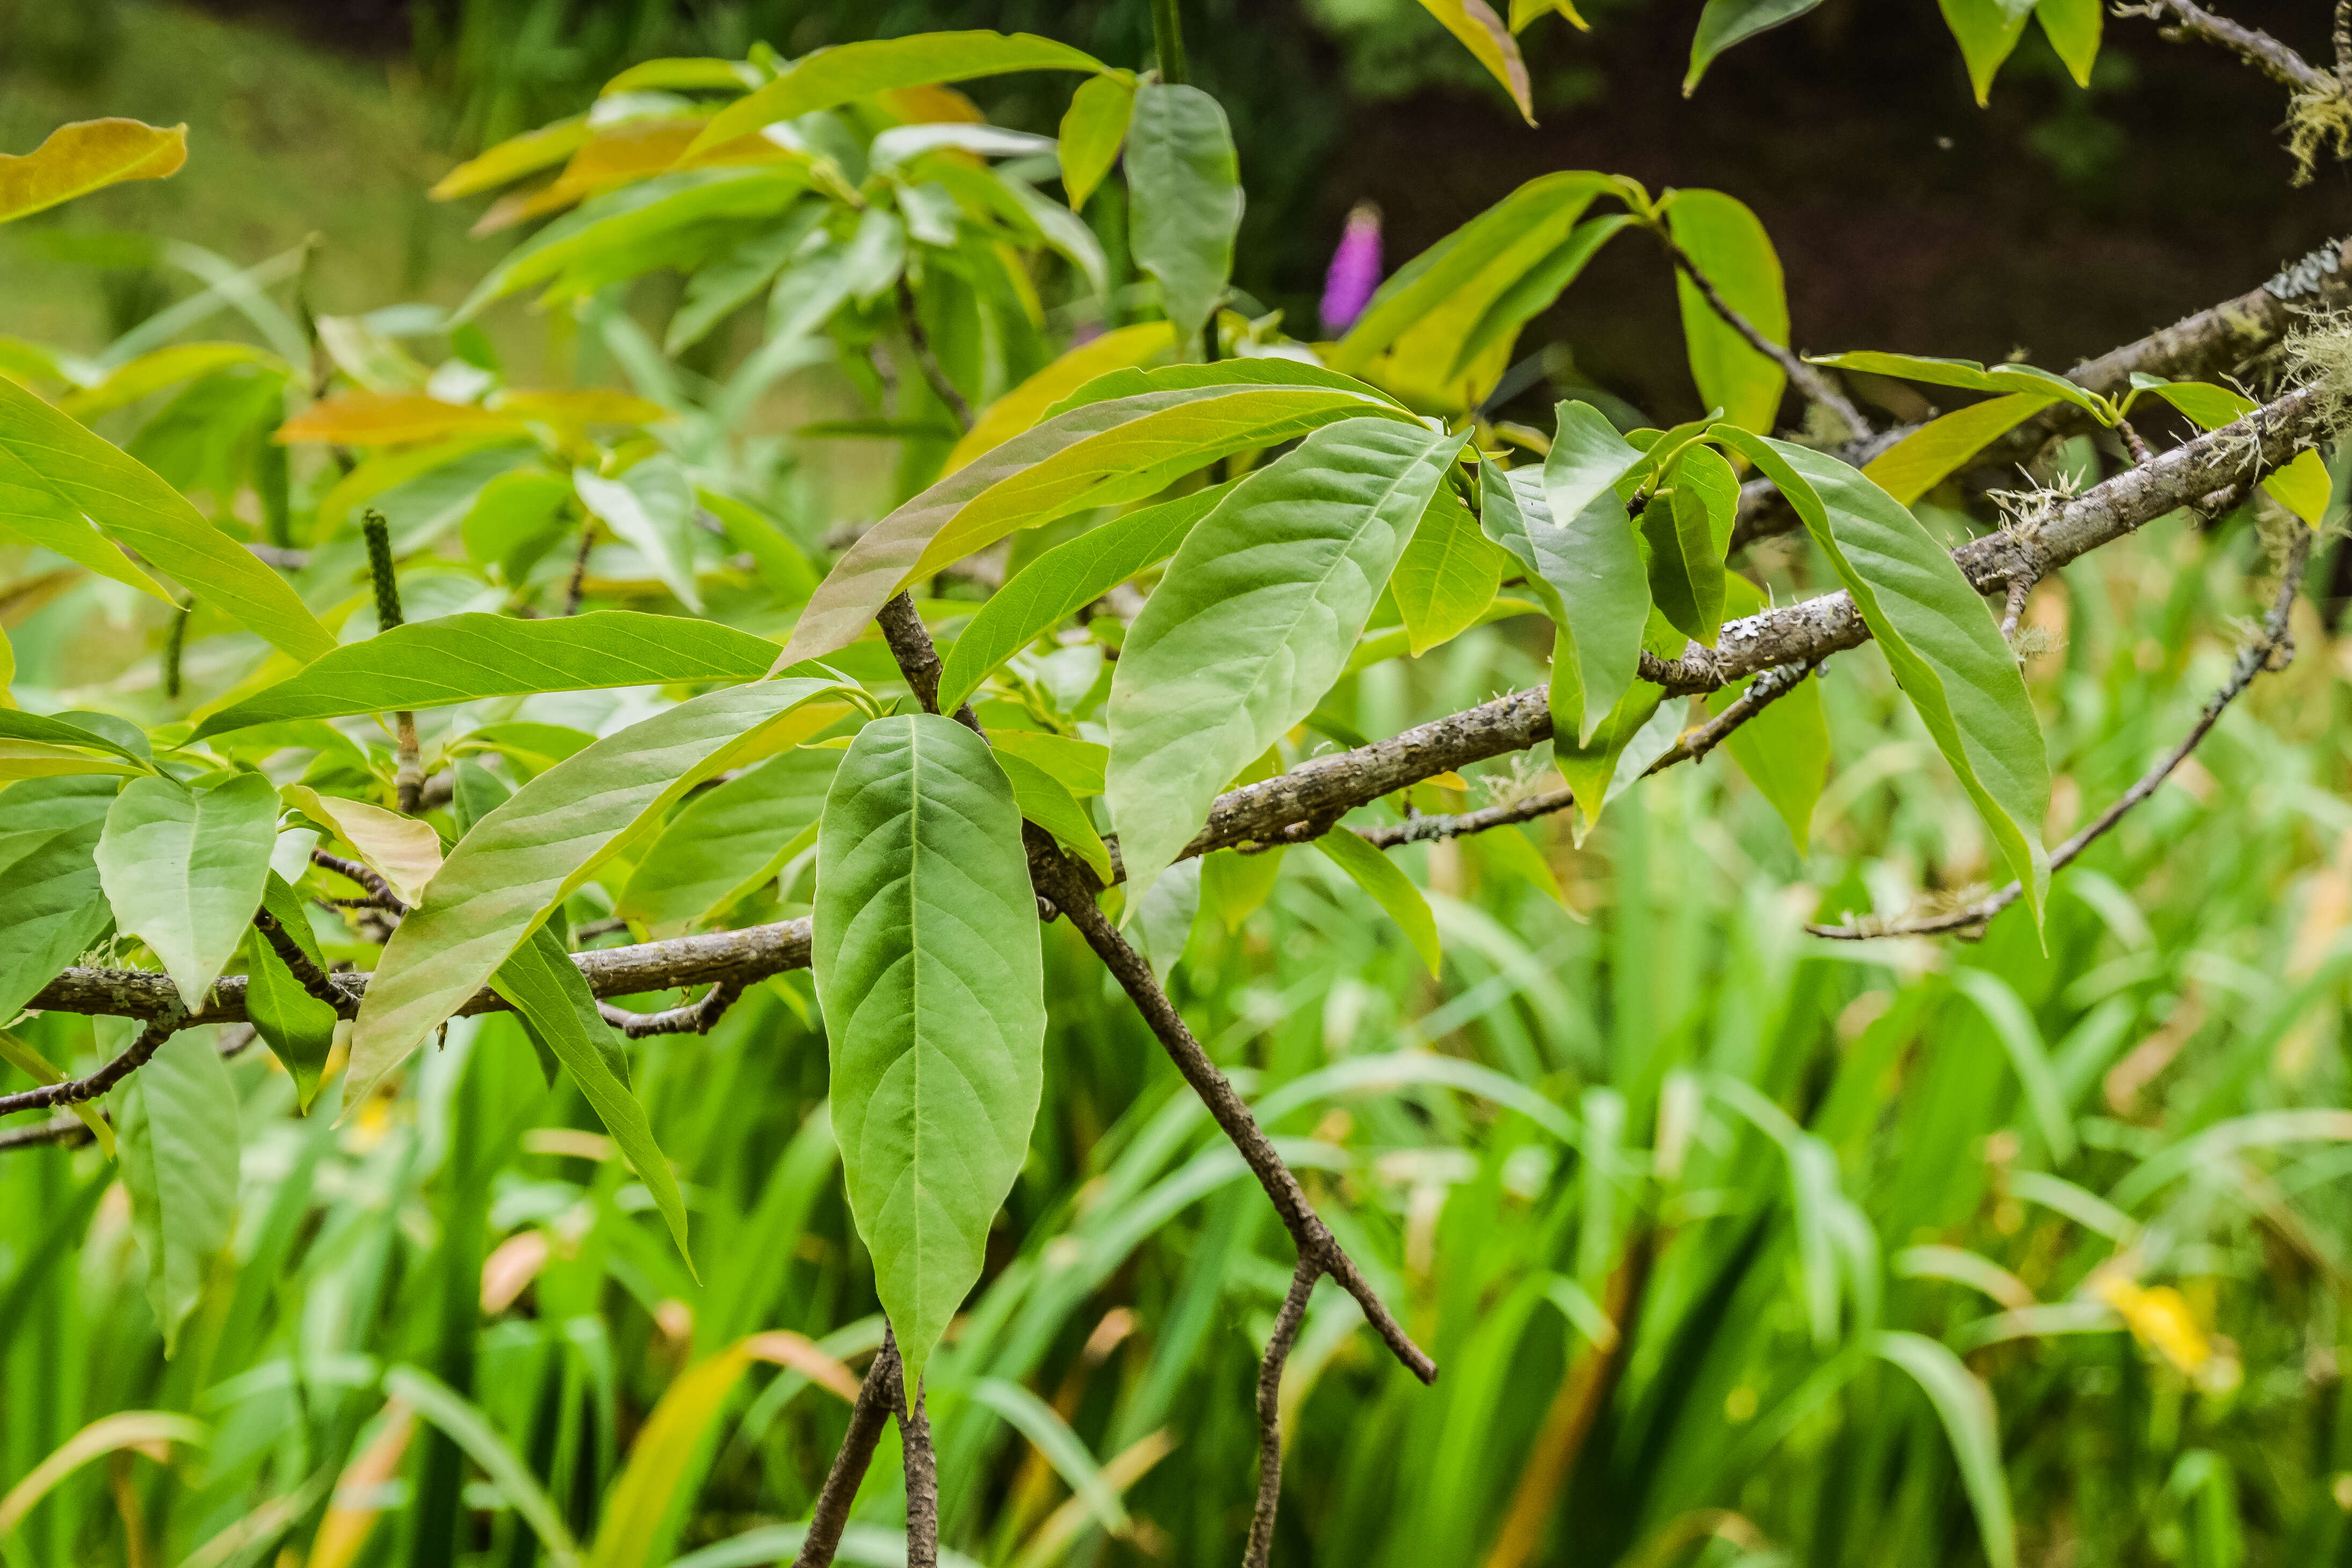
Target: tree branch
{"points": [[1270, 1410], [922, 1484], [322, 985], [919, 343], [74, 1090], [380, 890], [2276, 640], [878, 1398], [1808, 378], [66, 1133], [695, 1018], [2185, 19]]}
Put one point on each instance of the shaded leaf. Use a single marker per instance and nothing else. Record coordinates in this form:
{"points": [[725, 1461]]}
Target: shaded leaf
{"points": [[651, 508], [52, 907], [727, 841], [175, 1130], [1078, 764], [2302, 487], [1968, 375], [1048, 802], [1728, 22], [1784, 749], [1726, 242], [1971, 1425], [403, 850], [160, 368], [1185, 200], [184, 869], [298, 1027], [1390, 887], [1688, 531], [1447, 576], [1091, 132]]}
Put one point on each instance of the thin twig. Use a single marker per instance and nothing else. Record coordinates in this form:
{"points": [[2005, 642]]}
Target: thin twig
{"points": [[2342, 40], [919, 343], [366, 876], [2276, 640], [67, 1133], [1809, 379], [576, 585], [74, 1090], [2186, 19], [877, 1397], [922, 1483], [695, 1018], [2020, 588], [1269, 1411], [321, 984]]}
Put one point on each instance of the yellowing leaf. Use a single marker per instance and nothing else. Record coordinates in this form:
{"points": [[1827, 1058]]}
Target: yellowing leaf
{"points": [[79, 158], [513, 157], [1490, 43], [402, 850], [391, 420], [1926, 457], [1147, 342]]}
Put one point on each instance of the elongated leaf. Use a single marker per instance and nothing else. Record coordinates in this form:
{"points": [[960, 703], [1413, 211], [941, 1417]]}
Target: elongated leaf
{"points": [[1974, 377], [1533, 292], [298, 1027], [727, 841], [1939, 639], [2302, 487], [1063, 581], [1390, 887], [1044, 1426], [828, 77], [42, 760], [1926, 457], [151, 373], [519, 155], [1123, 348], [1091, 132], [1727, 244], [1689, 532], [737, 278], [1048, 802], [1490, 43], [548, 990], [1235, 886], [1098, 453], [471, 1430], [175, 1129], [1447, 576], [665, 1450], [1965, 1407], [2020, 1036], [928, 969], [1185, 200], [463, 658], [515, 520], [53, 473], [82, 157], [1785, 750], [1254, 620], [16, 725], [402, 850], [393, 419], [1985, 30], [1077, 765], [52, 907], [2072, 27], [529, 854], [1728, 22], [184, 869], [650, 507]]}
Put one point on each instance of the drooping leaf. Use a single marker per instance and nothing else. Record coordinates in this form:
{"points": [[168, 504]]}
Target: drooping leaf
{"points": [[403, 850], [54, 473], [17, 725], [1051, 1435], [298, 1027], [1390, 887], [1235, 886], [662, 1460], [1987, 30], [393, 419], [1447, 576], [651, 508], [729, 840], [1728, 22], [833, 76], [1965, 1407], [464, 1424], [1091, 132], [1123, 348], [1095, 455], [2072, 27], [529, 854], [928, 968], [160, 368], [1939, 637], [1497, 327], [85, 156], [518, 155], [548, 990], [184, 869], [1063, 581], [463, 658], [1968, 375], [515, 520], [1726, 242], [175, 1130], [1048, 802], [1254, 620], [1164, 915], [2302, 487], [1784, 749], [1926, 457], [1185, 200], [52, 907], [1688, 531], [1490, 43], [1597, 769], [737, 278]]}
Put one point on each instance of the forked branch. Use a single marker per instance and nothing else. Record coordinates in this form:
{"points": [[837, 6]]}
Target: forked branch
{"points": [[1269, 1411]]}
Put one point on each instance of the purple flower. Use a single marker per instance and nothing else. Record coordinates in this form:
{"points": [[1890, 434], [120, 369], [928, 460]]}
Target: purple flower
{"points": [[1355, 270]]}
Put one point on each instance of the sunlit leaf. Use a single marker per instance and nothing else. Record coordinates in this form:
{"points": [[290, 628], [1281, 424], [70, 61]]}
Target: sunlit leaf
{"points": [[184, 868], [85, 156], [1987, 30], [299, 1028], [403, 850], [393, 419], [1490, 43], [1931, 454], [1447, 576], [1091, 132]]}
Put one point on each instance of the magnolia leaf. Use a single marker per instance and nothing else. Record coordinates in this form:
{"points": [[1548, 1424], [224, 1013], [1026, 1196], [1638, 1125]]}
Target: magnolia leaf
{"points": [[1390, 887], [52, 906], [651, 508], [735, 278], [298, 1027], [2302, 487], [1234, 886], [403, 850], [928, 968], [1254, 620], [85, 156], [54, 473], [1063, 581], [1447, 576], [727, 841], [1940, 638], [1185, 200], [1967, 374], [1688, 528], [17, 725], [160, 368], [1728, 22], [1785, 749], [1490, 43], [1048, 802], [1122, 348], [2072, 27], [1926, 457], [175, 1130], [527, 855], [511, 160], [1163, 916], [393, 419], [1728, 246], [1091, 132], [1985, 30], [1078, 764], [184, 869], [464, 659]]}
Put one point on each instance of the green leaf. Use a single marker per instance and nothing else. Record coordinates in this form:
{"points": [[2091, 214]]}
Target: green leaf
{"points": [[1971, 1425], [17, 725], [1727, 242], [2012, 1023], [1077, 765], [54, 474], [471, 1430], [464, 659], [1390, 887], [651, 508], [404, 851], [152, 372], [1939, 639], [1987, 31], [1967, 374], [1235, 886], [1688, 530], [1185, 200], [1784, 749], [1048, 802], [1594, 770], [1063, 581], [1447, 576], [1926, 457], [175, 1130], [928, 969], [734, 279], [1474, 287], [184, 869], [1051, 1435], [727, 841], [518, 155], [1728, 22], [1097, 454], [833, 76], [1092, 131], [2302, 487], [298, 1027], [52, 907], [552, 997], [2073, 28], [1228, 375], [1254, 620], [515, 520], [527, 855], [1490, 43]]}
